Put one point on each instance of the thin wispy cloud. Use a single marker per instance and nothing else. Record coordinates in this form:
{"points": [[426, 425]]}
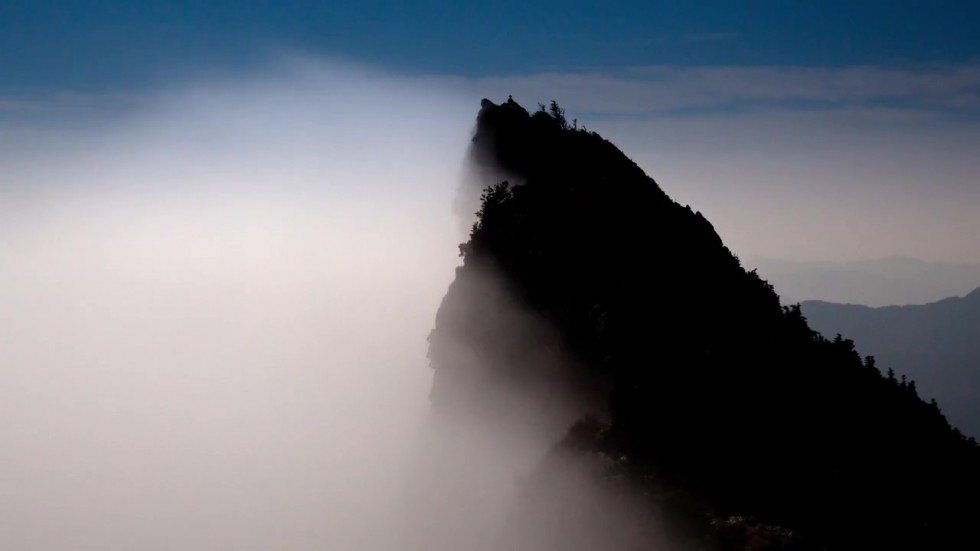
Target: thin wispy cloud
{"points": [[8, 104], [680, 90], [36, 107], [671, 90], [711, 37]]}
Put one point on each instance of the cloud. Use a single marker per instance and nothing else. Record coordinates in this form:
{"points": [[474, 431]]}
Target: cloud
{"points": [[215, 323], [714, 89], [711, 37], [14, 104], [947, 90], [69, 100], [216, 311]]}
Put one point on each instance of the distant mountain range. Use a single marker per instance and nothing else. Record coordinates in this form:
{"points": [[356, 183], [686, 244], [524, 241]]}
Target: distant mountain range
{"points": [[937, 345], [882, 282]]}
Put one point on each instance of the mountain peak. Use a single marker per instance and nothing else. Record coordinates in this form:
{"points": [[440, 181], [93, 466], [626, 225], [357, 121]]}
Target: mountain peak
{"points": [[716, 395]]}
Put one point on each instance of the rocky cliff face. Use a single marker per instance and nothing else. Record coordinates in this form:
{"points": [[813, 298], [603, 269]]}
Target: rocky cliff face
{"points": [[587, 294]]}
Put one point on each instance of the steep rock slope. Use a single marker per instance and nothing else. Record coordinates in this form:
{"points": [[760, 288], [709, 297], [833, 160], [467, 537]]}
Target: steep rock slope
{"points": [[717, 404]]}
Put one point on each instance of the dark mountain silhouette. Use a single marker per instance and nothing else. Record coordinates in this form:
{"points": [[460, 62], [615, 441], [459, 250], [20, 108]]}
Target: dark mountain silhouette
{"points": [[937, 345], [723, 410], [880, 282]]}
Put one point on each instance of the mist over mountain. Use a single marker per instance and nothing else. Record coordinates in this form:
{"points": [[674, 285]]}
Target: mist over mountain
{"points": [[215, 323], [936, 345], [593, 312], [274, 278], [881, 282], [215, 311]]}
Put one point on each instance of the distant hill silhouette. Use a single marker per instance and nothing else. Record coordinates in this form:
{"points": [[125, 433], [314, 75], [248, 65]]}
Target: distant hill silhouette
{"points": [[882, 282], [721, 407], [935, 344]]}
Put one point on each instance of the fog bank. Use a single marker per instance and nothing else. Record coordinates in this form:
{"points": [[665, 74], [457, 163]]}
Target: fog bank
{"points": [[215, 313]]}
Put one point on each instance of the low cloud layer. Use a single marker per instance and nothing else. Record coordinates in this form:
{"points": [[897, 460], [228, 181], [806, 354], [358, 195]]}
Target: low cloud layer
{"points": [[215, 313]]}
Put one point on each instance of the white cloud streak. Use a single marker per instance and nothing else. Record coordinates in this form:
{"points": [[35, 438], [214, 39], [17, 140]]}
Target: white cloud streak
{"points": [[666, 89]]}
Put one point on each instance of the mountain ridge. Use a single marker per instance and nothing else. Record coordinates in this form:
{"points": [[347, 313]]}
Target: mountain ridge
{"points": [[885, 281], [936, 344]]}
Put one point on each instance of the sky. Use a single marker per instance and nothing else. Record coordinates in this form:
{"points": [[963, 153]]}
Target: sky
{"points": [[93, 44], [805, 130]]}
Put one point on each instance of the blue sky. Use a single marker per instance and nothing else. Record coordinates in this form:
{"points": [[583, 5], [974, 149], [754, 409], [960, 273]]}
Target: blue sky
{"points": [[92, 45]]}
